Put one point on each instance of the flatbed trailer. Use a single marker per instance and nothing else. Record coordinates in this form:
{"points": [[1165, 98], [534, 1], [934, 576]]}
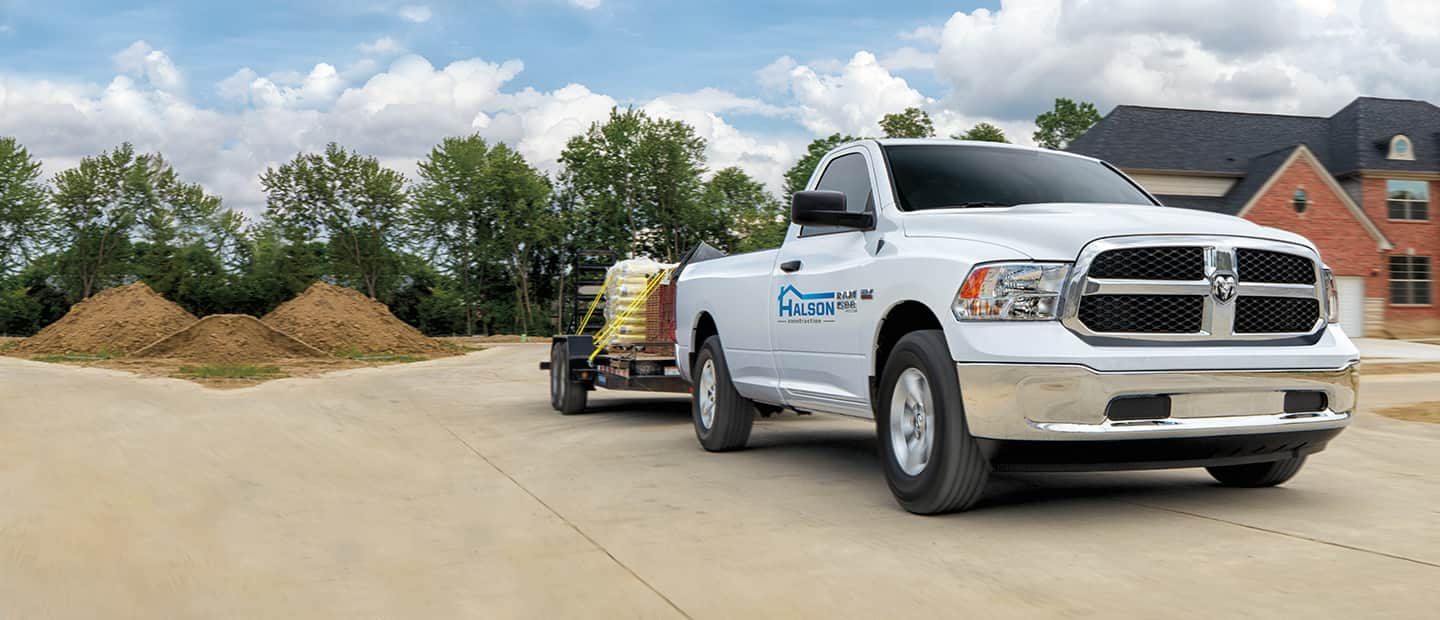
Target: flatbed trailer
{"points": [[577, 367], [574, 373]]}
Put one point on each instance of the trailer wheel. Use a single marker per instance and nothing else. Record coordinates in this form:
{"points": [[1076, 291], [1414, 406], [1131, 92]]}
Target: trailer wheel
{"points": [[566, 396], [931, 462], [723, 418]]}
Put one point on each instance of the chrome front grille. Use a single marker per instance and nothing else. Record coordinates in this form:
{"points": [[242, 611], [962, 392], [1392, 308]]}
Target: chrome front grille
{"points": [[1194, 288], [1266, 266], [1143, 314], [1162, 263], [1275, 315]]}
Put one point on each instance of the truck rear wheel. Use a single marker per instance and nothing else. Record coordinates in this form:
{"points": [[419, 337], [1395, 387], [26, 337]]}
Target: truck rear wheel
{"points": [[931, 462], [1257, 474], [566, 396], [723, 418]]}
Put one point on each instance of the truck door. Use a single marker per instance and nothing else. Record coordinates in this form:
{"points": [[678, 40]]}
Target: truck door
{"points": [[821, 302]]}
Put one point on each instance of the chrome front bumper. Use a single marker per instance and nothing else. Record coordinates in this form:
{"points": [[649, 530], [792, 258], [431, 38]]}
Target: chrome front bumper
{"points": [[1069, 402]]}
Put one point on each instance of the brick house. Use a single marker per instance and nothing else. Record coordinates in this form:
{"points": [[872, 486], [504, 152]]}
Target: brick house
{"points": [[1357, 183]]}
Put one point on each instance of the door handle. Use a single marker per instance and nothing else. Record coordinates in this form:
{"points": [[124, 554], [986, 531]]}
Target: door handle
{"points": [[790, 266]]}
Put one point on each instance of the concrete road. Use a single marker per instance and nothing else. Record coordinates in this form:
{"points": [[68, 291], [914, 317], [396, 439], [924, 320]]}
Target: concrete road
{"points": [[450, 489]]}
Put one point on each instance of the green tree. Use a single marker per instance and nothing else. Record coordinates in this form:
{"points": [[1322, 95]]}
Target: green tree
{"points": [[983, 132], [634, 183], [743, 215], [478, 208], [175, 226], [348, 200], [799, 174], [25, 216], [1056, 128], [909, 123], [97, 205]]}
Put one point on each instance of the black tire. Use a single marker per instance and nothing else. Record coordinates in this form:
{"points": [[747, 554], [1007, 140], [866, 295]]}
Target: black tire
{"points": [[566, 396], [951, 476], [733, 415], [1257, 475]]}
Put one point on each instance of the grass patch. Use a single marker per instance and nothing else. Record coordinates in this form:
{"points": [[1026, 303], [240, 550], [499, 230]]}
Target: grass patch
{"points": [[455, 347], [230, 371], [6, 346], [103, 354]]}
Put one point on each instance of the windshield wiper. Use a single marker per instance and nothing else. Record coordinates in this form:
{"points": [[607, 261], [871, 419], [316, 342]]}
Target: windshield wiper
{"points": [[977, 204]]}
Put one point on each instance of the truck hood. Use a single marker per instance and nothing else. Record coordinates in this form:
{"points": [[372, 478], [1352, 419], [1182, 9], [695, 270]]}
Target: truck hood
{"points": [[1057, 231]]}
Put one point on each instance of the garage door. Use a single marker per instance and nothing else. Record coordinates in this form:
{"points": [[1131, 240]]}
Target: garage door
{"points": [[1352, 305]]}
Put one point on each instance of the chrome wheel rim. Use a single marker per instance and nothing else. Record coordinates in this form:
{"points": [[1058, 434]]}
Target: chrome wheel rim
{"points": [[706, 394], [912, 421]]}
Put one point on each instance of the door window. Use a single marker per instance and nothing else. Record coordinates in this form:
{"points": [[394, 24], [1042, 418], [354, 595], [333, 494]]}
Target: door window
{"points": [[848, 175]]}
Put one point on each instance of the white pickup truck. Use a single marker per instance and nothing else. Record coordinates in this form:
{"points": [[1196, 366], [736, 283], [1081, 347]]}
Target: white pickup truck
{"points": [[1002, 308]]}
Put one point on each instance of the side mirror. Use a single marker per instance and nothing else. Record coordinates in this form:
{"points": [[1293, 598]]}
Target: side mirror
{"points": [[826, 208]]}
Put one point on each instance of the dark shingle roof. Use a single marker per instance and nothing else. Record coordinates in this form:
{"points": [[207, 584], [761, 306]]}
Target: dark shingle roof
{"points": [[1356, 137], [1198, 203], [1260, 170]]}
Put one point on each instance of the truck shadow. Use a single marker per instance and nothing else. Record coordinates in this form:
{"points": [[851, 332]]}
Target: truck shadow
{"points": [[818, 447], [842, 453]]}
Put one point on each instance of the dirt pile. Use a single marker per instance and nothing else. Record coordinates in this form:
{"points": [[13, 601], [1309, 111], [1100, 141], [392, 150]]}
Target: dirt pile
{"points": [[342, 320], [229, 338], [118, 320]]}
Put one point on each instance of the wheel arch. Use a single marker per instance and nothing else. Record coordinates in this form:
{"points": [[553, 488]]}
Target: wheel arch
{"points": [[704, 328], [900, 318]]}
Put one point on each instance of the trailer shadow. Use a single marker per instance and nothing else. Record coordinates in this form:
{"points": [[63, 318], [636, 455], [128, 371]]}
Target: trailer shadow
{"points": [[667, 409]]}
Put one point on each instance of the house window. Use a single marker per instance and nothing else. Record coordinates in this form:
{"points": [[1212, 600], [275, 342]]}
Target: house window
{"points": [[1401, 148], [1300, 201], [1407, 200], [1410, 280]]}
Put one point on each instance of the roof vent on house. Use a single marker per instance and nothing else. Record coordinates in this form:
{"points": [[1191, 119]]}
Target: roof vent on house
{"points": [[1401, 148]]}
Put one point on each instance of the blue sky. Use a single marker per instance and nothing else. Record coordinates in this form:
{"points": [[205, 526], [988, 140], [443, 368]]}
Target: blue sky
{"points": [[225, 90], [631, 48]]}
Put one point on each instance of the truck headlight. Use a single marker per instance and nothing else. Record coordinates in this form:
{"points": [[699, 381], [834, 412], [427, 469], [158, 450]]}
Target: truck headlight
{"points": [[1332, 297], [1011, 292]]}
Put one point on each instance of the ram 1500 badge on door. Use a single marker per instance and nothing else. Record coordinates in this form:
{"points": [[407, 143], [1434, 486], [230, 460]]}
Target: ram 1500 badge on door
{"points": [[998, 308]]}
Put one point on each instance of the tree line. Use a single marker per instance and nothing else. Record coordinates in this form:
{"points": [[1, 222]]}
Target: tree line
{"points": [[479, 242]]}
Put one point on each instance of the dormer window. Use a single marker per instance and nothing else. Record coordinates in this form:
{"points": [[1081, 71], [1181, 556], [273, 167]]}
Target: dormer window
{"points": [[1401, 148]]}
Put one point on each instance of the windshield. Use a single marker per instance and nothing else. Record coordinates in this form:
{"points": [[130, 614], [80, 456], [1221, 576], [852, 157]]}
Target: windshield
{"points": [[936, 176]]}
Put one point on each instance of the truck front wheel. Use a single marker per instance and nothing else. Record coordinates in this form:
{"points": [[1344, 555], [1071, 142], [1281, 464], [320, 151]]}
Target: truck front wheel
{"points": [[931, 462], [1257, 474], [722, 416]]}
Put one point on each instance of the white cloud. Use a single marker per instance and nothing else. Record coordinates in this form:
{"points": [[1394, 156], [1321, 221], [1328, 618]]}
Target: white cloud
{"points": [[851, 100], [1000, 66], [417, 13], [1296, 56], [588, 5], [396, 114], [720, 101], [382, 46], [908, 58], [154, 65], [6, 29], [287, 89]]}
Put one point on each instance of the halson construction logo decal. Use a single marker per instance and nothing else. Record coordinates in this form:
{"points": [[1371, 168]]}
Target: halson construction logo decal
{"points": [[799, 307]]}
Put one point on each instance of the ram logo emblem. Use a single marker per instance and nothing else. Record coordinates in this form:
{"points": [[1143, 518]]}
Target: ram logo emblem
{"points": [[1222, 287]]}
